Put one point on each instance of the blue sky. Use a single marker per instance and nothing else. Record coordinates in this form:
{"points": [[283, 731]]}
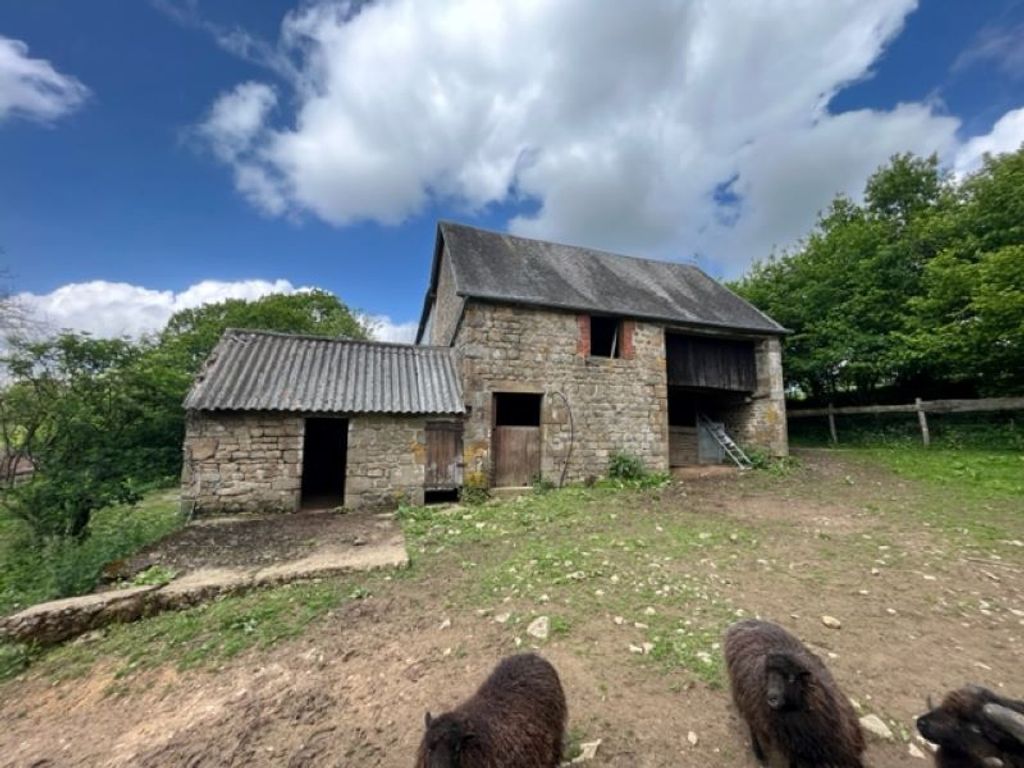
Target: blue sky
{"points": [[181, 151]]}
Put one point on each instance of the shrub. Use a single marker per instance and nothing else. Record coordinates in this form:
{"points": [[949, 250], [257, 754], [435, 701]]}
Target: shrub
{"points": [[626, 466], [475, 489], [775, 465], [541, 484]]}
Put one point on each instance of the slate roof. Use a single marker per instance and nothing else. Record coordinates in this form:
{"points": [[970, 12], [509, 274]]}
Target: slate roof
{"points": [[259, 370], [504, 268]]}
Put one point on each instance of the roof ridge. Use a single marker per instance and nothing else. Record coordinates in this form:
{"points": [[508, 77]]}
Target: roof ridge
{"points": [[599, 251], [336, 339]]}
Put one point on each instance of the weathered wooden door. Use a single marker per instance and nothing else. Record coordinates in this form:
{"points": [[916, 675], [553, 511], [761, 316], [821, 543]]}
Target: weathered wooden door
{"points": [[444, 455], [516, 455]]}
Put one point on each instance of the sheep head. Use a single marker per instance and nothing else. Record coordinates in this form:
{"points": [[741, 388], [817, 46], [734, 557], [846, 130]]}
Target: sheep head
{"points": [[446, 737], [786, 683]]}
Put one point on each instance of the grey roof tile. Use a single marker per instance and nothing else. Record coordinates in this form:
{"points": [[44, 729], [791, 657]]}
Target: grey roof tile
{"points": [[506, 268], [260, 370]]}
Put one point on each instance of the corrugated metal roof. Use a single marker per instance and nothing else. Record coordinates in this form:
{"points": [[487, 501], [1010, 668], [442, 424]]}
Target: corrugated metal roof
{"points": [[505, 268], [258, 370]]}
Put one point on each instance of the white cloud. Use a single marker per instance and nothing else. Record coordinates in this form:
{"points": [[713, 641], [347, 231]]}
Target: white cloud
{"points": [[383, 328], [114, 309], [1006, 136], [32, 88], [997, 45], [620, 119]]}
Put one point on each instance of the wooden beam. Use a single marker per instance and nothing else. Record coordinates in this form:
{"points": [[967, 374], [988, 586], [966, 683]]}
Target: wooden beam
{"points": [[927, 406]]}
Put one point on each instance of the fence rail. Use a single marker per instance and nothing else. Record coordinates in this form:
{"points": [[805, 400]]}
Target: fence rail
{"points": [[919, 406]]}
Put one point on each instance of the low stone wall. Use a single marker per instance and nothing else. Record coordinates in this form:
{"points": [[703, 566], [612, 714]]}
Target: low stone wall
{"points": [[242, 462]]}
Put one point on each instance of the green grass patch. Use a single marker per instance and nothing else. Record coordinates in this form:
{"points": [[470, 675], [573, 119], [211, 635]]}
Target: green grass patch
{"points": [[579, 553], [967, 492], [32, 571], [205, 635]]}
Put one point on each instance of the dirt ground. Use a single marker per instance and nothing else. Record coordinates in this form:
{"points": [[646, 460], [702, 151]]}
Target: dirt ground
{"points": [[923, 608], [255, 541]]}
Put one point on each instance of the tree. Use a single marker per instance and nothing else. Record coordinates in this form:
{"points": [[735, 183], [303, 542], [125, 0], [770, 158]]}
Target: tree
{"points": [[191, 334], [76, 412], [920, 282]]}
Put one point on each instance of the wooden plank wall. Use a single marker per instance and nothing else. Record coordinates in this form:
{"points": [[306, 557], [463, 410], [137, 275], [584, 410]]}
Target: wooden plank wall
{"points": [[709, 363]]}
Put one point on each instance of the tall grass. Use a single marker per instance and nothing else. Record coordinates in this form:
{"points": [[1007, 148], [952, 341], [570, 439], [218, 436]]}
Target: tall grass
{"points": [[33, 570]]}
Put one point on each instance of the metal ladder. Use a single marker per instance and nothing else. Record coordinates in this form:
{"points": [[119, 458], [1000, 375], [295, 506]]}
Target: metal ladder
{"points": [[718, 432]]}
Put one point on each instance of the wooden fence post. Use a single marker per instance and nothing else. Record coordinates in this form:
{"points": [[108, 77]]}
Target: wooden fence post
{"points": [[922, 419], [832, 423]]}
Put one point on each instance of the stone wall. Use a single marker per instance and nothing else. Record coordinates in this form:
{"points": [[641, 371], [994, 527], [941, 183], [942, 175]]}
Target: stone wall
{"points": [[242, 462], [617, 404], [761, 422], [252, 462], [444, 315], [386, 460]]}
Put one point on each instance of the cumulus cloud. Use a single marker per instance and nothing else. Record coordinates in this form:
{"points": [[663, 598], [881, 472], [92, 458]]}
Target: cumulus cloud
{"points": [[1006, 136], [32, 88], [671, 128], [109, 309], [116, 309]]}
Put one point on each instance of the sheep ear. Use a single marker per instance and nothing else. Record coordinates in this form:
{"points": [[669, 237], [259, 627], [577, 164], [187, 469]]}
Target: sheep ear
{"points": [[1006, 720], [427, 719]]}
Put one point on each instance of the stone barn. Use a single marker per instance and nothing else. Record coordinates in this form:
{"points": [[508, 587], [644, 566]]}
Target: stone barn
{"points": [[532, 360], [279, 422]]}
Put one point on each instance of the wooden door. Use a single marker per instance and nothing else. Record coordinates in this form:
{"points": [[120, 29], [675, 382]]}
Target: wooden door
{"points": [[444, 456], [516, 455]]}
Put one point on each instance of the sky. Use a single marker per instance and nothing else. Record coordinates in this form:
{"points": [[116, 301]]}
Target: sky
{"points": [[155, 155]]}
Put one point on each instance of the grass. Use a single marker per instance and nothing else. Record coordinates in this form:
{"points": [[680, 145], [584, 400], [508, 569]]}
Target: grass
{"points": [[972, 494], [634, 563], [579, 553], [33, 571], [205, 635]]}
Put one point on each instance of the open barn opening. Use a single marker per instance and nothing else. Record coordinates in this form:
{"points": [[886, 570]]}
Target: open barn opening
{"points": [[324, 459]]}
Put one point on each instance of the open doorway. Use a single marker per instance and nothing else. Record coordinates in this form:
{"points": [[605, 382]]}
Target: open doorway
{"points": [[324, 454]]}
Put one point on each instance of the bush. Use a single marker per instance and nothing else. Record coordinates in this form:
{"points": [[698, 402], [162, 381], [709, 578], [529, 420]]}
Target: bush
{"points": [[542, 485], [475, 489], [626, 466], [775, 465]]}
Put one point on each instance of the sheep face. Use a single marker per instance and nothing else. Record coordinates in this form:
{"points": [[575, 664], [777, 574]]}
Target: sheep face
{"points": [[446, 736], [958, 736], [786, 682]]}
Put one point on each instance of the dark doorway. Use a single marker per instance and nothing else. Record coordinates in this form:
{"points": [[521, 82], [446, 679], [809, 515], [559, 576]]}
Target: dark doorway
{"points": [[324, 453], [516, 438]]}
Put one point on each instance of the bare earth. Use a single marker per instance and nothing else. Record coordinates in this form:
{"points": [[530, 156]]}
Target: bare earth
{"points": [[353, 689]]}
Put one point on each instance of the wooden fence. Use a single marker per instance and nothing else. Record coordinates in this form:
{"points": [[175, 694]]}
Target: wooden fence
{"points": [[919, 406]]}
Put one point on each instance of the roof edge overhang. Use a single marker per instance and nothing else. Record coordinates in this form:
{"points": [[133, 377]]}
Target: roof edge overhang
{"points": [[435, 271], [668, 321]]}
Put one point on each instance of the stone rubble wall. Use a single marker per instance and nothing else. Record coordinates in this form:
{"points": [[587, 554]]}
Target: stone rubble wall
{"points": [[252, 462], [761, 422], [617, 404], [447, 308], [242, 462], [386, 460]]}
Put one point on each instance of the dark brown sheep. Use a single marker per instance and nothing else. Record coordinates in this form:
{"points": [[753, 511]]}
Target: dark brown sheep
{"points": [[975, 728], [516, 719], [789, 699]]}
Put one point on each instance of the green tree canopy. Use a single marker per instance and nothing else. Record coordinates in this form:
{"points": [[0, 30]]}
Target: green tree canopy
{"points": [[191, 334], [924, 280]]}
